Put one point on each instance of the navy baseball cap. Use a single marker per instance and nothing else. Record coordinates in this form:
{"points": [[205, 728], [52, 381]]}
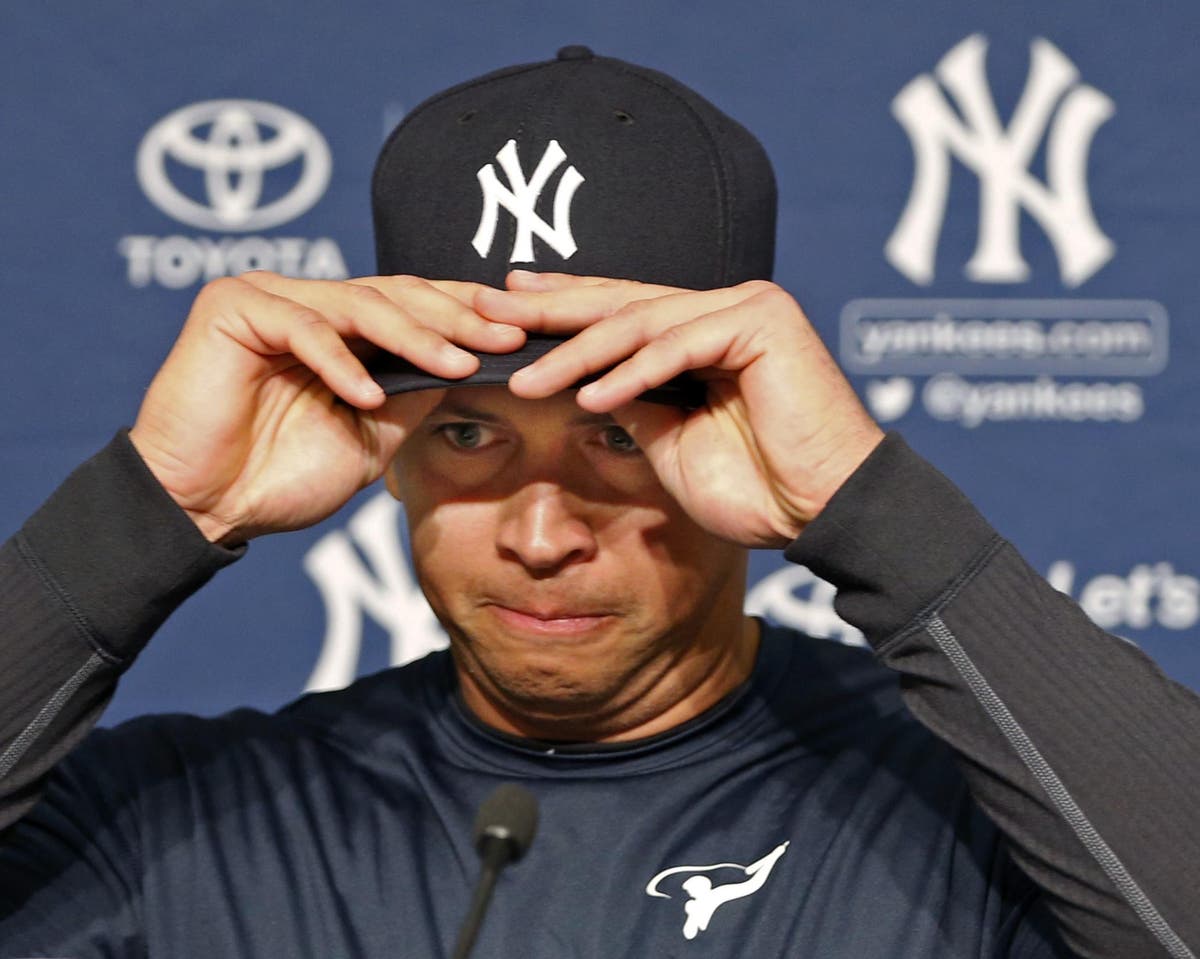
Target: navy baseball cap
{"points": [[581, 164]]}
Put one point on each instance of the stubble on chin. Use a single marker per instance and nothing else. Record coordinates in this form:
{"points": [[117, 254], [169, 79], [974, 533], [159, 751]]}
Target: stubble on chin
{"points": [[569, 696]]}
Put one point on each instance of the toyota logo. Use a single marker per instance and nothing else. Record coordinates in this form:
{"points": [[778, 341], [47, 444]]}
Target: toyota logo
{"points": [[234, 143]]}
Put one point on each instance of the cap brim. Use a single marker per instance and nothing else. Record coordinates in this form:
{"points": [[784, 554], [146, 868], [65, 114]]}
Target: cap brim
{"points": [[395, 374]]}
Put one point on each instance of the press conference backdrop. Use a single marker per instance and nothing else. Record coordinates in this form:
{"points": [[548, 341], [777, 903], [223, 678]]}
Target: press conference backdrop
{"points": [[989, 211]]}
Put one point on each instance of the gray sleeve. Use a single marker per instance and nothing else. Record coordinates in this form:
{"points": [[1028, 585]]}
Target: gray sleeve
{"points": [[1085, 755], [83, 586]]}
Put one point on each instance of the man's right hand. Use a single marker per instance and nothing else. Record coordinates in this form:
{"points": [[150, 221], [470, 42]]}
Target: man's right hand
{"points": [[263, 418]]}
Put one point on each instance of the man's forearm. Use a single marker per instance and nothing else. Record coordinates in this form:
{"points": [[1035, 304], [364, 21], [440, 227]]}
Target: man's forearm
{"points": [[1085, 755], [83, 586]]}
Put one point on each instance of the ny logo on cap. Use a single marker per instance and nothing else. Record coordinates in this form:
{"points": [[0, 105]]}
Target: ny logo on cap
{"points": [[520, 198]]}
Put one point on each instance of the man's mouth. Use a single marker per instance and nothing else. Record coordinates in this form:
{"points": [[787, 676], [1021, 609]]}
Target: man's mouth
{"points": [[549, 621]]}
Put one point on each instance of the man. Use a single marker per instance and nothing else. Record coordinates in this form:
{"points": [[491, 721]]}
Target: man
{"points": [[580, 526]]}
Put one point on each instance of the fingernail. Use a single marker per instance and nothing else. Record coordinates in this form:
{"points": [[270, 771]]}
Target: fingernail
{"points": [[455, 355]]}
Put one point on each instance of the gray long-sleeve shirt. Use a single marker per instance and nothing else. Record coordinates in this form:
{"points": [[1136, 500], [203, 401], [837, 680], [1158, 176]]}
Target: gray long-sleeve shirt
{"points": [[341, 825]]}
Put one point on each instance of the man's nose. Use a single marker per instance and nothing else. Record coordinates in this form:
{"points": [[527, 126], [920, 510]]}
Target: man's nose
{"points": [[545, 527]]}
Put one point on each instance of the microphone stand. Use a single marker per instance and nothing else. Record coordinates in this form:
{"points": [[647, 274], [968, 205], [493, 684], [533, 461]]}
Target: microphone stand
{"points": [[504, 828]]}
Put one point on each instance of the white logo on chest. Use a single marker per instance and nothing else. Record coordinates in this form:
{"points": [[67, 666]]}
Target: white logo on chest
{"points": [[520, 198], [705, 898]]}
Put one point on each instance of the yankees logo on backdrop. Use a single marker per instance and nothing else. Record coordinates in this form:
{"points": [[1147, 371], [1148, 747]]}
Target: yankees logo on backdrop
{"points": [[1001, 157], [520, 198]]}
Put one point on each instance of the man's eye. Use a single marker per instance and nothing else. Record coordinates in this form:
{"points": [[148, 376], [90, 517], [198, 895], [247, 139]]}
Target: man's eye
{"points": [[618, 440], [464, 436]]}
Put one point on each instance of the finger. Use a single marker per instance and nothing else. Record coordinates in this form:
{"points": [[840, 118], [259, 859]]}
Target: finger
{"points": [[718, 340], [544, 282], [425, 326], [607, 343], [398, 418], [567, 307], [397, 332], [462, 290], [655, 428], [272, 326], [385, 310], [445, 306]]}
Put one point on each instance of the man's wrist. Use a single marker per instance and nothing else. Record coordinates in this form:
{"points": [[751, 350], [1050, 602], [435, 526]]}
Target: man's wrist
{"points": [[117, 549], [893, 537], [216, 531], [845, 459]]}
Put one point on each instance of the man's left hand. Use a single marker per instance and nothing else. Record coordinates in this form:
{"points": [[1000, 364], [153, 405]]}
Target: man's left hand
{"points": [[781, 430]]}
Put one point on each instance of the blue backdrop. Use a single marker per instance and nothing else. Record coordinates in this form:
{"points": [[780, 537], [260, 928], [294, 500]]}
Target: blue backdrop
{"points": [[989, 211]]}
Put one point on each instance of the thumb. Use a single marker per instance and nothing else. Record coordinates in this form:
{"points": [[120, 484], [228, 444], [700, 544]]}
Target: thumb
{"points": [[398, 418], [655, 428]]}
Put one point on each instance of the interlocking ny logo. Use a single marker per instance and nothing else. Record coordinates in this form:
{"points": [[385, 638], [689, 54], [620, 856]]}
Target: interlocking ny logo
{"points": [[520, 198], [224, 139], [1000, 157]]}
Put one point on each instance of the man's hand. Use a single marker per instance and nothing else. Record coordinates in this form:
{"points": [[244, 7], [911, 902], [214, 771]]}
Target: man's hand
{"points": [[782, 428], [263, 418]]}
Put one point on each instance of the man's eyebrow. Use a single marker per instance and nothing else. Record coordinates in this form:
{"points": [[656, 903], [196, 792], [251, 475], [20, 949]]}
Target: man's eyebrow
{"points": [[449, 407], [463, 411]]}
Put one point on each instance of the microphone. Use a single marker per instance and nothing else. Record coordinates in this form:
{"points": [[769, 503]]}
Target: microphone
{"points": [[504, 828]]}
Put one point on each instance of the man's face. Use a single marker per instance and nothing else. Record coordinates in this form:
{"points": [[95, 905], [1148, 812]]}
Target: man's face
{"points": [[581, 601]]}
